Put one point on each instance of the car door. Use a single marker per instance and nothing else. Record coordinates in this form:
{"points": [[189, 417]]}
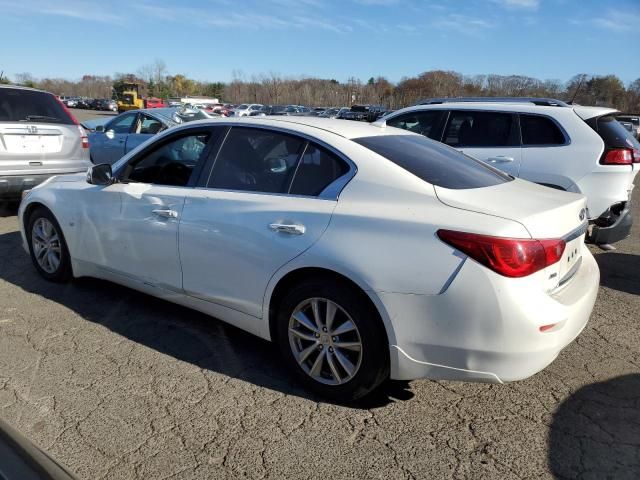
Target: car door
{"points": [[108, 146], [130, 228], [264, 203], [492, 137], [544, 154], [146, 127]]}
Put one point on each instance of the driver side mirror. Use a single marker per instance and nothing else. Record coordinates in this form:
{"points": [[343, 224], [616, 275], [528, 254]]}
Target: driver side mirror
{"points": [[100, 174], [99, 128]]}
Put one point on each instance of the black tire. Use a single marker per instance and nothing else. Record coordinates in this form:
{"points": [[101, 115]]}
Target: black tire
{"points": [[63, 272], [374, 364]]}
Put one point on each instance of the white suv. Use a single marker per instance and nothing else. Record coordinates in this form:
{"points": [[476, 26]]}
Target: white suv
{"points": [[546, 141]]}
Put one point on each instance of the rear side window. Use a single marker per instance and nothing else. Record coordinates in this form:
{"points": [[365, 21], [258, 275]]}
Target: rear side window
{"points": [[539, 130], [317, 170], [17, 105], [256, 160], [613, 133], [481, 129], [433, 162], [424, 123]]}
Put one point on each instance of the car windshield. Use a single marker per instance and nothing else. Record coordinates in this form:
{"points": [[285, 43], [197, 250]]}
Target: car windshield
{"points": [[244, 106], [434, 162]]}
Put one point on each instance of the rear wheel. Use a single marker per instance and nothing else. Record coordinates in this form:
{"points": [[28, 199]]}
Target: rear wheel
{"points": [[332, 340], [47, 246]]}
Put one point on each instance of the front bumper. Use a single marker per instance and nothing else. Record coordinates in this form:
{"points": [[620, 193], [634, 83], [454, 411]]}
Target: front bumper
{"points": [[11, 187], [612, 226], [487, 328]]}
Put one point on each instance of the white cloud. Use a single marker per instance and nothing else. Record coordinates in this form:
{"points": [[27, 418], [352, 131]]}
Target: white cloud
{"points": [[463, 24], [93, 11], [617, 21], [519, 4]]}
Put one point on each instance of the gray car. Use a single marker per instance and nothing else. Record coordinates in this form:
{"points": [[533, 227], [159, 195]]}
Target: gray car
{"points": [[39, 138], [109, 142]]}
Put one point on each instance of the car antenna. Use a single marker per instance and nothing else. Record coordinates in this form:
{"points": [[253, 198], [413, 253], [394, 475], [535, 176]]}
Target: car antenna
{"points": [[582, 77]]}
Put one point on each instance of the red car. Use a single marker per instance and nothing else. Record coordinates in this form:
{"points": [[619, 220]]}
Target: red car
{"points": [[153, 102]]}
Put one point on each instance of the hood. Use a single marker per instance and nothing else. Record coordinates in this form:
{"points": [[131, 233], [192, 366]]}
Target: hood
{"points": [[544, 212]]}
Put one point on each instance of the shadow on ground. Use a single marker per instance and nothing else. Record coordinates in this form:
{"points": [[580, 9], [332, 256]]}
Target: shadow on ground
{"points": [[620, 271], [596, 432], [182, 333], [8, 208]]}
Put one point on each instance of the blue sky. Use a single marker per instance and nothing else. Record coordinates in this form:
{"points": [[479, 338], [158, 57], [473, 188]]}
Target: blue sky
{"points": [[210, 39]]}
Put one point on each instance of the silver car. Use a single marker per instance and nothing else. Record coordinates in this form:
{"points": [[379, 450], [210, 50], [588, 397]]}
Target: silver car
{"points": [[39, 138]]}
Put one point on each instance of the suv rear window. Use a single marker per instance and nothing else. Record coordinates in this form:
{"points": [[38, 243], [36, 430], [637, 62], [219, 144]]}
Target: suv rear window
{"points": [[613, 133], [18, 105], [434, 162]]}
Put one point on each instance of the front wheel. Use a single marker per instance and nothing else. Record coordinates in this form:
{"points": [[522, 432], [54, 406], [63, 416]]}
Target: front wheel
{"points": [[333, 340], [47, 246]]}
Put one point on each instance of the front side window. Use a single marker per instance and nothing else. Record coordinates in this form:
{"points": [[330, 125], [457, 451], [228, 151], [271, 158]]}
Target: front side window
{"points": [[122, 124], [538, 130], [172, 163], [480, 129], [256, 160], [424, 123]]}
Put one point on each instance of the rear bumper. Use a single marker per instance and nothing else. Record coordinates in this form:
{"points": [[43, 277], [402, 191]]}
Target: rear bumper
{"points": [[611, 228], [483, 330], [11, 187]]}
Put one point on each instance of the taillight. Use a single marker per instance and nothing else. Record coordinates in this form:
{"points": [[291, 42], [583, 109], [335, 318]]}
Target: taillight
{"points": [[83, 136], [510, 257], [636, 156], [618, 156], [67, 111]]}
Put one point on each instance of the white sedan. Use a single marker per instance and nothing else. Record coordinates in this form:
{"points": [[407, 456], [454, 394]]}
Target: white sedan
{"points": [[365, 252]]}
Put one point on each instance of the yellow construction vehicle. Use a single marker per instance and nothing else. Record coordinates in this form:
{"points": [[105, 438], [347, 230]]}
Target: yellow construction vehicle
{"points": [[130, 96]]}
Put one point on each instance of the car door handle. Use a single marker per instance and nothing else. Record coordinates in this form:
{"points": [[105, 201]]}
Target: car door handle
{"points": [[291, 229], [165, 213], [500, 159]]}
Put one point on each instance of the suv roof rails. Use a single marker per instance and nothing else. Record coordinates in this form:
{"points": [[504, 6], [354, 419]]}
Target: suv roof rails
{"points": [[545, 102]]}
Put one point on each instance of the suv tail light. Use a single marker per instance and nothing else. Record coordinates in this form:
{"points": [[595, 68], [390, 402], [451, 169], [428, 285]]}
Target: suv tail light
{"points": [[619, 156], [636, 156], [510, 257], [83, 136]]}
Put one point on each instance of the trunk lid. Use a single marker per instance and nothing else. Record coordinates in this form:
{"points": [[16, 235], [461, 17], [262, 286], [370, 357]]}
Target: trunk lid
{"points": [[546, 213]]}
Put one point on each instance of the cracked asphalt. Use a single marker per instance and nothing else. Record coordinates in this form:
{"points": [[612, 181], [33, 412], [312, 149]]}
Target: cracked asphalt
{"points": [[119, 385]]}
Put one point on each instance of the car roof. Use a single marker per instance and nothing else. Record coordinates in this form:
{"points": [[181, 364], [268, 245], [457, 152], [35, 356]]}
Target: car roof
{"points": [[20, 87], [583, 112], [344, 128]]}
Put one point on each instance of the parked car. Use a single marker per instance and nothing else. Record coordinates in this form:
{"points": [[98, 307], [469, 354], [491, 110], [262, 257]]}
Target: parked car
{"points": [[634, 120], [246, 108], [368, 113], [153, 102], [364, 252], [628, 126], [275, 109], [23, 460], [333, 112], [109, 142], [566, 147], [39, 138]]}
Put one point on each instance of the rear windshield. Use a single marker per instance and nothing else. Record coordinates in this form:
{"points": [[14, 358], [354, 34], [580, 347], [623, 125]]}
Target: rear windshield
{"points": [[434, 162], [613, 133], [17, 105]]}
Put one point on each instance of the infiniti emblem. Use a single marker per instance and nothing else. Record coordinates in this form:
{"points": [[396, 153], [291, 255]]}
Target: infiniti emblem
{"points": [[582, 214]]}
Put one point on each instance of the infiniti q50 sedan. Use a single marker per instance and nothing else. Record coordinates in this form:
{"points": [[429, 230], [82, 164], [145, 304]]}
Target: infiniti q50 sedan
{"points": [[365, 252]]}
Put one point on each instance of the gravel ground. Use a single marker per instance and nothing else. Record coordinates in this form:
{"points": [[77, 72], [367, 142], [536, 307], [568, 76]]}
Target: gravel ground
{"points": [[116, 384]]}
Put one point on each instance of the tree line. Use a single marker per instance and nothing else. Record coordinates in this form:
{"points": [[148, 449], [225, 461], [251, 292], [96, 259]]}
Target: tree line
{"points": [[272, 88]]}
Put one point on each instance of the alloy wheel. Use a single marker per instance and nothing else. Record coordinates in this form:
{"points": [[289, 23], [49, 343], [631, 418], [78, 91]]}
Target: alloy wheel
{"points": [[47, 248], [325, 341]]}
